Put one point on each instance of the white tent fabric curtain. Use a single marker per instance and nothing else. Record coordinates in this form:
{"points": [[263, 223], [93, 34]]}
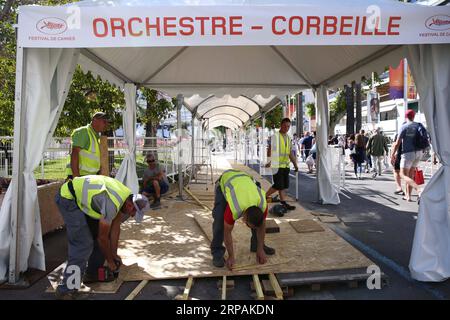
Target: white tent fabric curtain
{"points": [[430, 256], [327, 192], [47, 80], [127, 171]]}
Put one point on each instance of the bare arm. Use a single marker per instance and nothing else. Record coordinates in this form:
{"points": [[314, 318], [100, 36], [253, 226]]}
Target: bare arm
{"points": [[115, 235], [74, 161], [293, 160], [261, 234], [105, 243], [228, 241]]}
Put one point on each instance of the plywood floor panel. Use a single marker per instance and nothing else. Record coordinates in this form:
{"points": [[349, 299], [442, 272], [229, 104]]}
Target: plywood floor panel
{"points": [[173, 242]]}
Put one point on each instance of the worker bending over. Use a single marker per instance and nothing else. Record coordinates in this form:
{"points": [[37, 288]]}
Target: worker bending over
{"points": [[93, 208], [238, 195]]}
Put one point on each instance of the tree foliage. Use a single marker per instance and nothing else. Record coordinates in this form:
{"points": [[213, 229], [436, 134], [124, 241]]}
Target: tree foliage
{"points": [[310, 109], [273, 118], [155, 109], [337, 108], [87, 95]]}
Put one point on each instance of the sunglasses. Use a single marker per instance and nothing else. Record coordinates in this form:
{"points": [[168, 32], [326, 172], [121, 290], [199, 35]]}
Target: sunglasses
{"points": [[150, 161]]}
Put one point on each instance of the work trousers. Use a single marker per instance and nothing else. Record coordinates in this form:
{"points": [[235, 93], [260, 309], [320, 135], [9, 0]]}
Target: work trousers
{"points": [[83, 251], [220, 203]]}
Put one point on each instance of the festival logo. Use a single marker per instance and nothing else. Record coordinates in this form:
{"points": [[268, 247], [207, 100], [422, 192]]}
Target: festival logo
{"points": [[51, 26], [439, 22]]}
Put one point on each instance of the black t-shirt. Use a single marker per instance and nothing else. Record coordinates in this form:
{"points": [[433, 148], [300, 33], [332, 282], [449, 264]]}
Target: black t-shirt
{"points": [[307, 142]]}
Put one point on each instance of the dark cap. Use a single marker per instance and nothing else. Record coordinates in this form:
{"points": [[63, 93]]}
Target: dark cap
{"points": [[410, 114], [100, 115]]}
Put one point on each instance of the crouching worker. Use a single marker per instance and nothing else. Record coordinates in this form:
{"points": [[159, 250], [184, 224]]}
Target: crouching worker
{"points": [[237, 195], [93, 208], [154, 181]]}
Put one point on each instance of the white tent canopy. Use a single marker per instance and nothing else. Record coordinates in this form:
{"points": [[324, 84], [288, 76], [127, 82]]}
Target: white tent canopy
{"points": [[229, 62]]}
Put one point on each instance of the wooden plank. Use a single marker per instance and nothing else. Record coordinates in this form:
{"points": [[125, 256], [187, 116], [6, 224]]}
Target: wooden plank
{"points": [[306, 226], [276, 286], [197, 200], [258, 288], [224, 288], [187, 290], [136, 290], [104, 156]]}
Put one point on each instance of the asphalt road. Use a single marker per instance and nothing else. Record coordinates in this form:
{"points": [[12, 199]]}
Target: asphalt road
{"points": [[381, 225]]}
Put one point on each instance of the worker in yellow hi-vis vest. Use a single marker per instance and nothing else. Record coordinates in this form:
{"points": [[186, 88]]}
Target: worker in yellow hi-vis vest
{"points": [[281, 155], [237, 196], [84, 157], [93, 207]]}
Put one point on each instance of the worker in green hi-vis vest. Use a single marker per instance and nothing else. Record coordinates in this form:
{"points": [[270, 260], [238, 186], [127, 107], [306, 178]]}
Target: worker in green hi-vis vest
{"points": [[93, 207], [84, 158], [281, 155], [237, 195]]}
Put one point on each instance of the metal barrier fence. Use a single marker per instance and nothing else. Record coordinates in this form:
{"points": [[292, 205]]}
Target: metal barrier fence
{"points": [[54, 159]]}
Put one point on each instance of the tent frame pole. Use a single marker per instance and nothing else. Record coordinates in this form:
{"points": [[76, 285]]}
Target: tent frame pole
{"points": [[18, 166], [180, 150], [192, 144]]}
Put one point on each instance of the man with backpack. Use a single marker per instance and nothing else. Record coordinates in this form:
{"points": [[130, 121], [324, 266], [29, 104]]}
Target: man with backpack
{"points": [[414, 140]]}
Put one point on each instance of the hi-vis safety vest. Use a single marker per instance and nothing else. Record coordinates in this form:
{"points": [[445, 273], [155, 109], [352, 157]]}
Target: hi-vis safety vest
{"points": [[241, 192], [89, 160], [88, 187], [281, 148]]}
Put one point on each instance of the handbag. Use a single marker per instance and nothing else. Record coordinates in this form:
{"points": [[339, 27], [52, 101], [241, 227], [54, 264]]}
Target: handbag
{"points": [[418, 177]]}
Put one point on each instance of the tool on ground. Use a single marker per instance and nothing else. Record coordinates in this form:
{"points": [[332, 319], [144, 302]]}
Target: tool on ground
{"points": [[278, 210]]}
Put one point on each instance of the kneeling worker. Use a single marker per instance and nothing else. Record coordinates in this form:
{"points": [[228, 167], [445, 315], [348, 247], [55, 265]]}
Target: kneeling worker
{"points": [[93, 208], [236, 196]]}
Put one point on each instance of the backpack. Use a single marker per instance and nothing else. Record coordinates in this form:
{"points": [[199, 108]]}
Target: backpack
{"points": [[422, 141]]}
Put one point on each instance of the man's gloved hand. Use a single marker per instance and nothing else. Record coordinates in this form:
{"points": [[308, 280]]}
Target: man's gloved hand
{"points": [[258, 184]]}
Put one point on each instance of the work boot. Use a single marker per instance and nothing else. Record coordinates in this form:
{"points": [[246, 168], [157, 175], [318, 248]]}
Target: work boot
{"points": [[254, 244], [287, 206], [156, 203], [218, 262], [267, 250], [70, 295]]}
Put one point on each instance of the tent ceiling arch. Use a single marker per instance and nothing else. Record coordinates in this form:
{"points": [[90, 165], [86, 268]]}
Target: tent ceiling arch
{"points": [[242, 106], [263, 50], [233, 110], [223, 122], [228, 117]]}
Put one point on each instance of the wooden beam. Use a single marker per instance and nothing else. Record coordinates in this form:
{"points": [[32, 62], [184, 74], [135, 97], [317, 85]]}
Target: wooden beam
{"points": [[196, 199], [136, 290], [187, 290], [276, 286], [104, 156], [258, 288], [224, 288]]}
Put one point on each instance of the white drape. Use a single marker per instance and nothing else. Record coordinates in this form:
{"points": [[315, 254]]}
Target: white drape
{"points": [[327, 192], [47, 77], [127, 171], [430, 256]]}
